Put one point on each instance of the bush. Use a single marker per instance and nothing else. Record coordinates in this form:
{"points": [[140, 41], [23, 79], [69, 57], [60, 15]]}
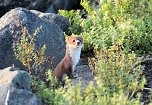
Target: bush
{"points": [[93, 95], [30, 56], [75, 20], [115, 68], [118, 32], [96, 96], [124, 23], [34, 59], [48, 95]]}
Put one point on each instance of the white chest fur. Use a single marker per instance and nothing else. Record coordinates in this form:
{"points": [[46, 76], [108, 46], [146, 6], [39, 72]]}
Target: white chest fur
{"points": [[75, 55]]}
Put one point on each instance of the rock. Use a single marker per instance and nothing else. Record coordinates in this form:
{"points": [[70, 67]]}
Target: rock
{"points": [[39, 5], [10, 33], [15, 88], [15, 78], [61, 21], [6, 5], [146, 67], [64, 5], [84, 75], [5, 2], [26, 98], [12, 2]]}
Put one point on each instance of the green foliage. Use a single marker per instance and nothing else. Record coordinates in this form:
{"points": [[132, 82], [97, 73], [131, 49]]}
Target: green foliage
{"points": [[126, 23], [49, 96], [118, 31], [34, 60], [53, 82], [73, 95], [30, 56], [74, 19], [116, 70], [96, 96]]}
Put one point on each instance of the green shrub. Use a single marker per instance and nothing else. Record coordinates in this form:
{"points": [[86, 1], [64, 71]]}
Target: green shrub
{"points": [[116, 70], [30, 56], [126, 23], [114, 31], [34, 59], [48, 95], [75, 19], [73, 95], [93, 95]]}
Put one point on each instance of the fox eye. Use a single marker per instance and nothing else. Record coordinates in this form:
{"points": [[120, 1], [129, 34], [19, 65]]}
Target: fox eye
{"points": [[73, 40]]}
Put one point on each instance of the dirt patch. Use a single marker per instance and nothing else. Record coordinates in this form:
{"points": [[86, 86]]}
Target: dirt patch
{"points": [[84, 75]]}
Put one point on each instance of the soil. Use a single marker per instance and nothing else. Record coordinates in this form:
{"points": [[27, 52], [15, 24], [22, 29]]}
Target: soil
{"points": [[84, 75]]}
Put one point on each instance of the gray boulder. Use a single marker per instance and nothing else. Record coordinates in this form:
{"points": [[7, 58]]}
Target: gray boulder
{"points": [[64, 5], [41, 5], [8, 3], [15, 88], [10, 33], [61, 21]]}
